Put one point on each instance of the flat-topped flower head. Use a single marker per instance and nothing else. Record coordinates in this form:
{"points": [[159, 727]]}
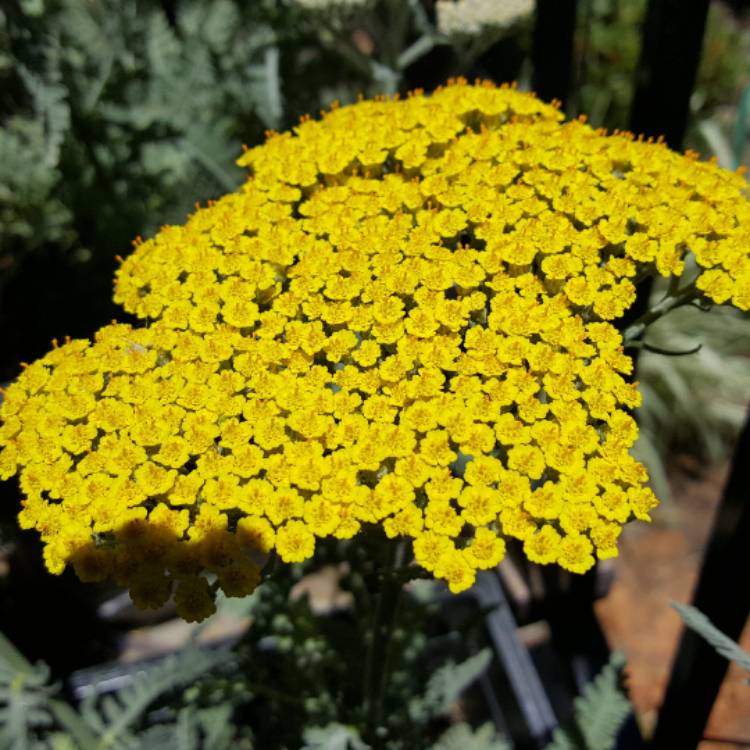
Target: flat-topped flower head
{"points": [[404, 318]]}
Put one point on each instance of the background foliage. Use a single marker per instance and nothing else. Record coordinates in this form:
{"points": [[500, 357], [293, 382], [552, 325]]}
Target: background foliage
{"points": [[607, 50], [294, 680]]}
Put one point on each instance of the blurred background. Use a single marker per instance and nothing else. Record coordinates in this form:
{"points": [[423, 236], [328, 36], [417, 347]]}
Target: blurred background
{"points": [[118, 116]]}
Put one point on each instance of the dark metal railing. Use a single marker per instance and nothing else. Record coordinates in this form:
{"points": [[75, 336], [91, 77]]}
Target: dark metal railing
{"points": [[723, 595], [672, 40]]}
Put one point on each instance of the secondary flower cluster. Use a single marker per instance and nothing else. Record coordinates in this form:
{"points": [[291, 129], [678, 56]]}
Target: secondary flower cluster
{"points": [[463, 18], [401, 319]]}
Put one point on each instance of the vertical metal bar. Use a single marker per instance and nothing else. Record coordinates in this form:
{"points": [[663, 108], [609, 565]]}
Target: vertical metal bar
{"points": [[671, 45], [517, 663], [723, 595], [665, 77], [552, 53]]}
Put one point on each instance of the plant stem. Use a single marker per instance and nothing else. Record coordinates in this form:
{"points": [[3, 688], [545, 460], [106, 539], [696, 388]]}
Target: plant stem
{"points": [[378, 656], [670, 302]]}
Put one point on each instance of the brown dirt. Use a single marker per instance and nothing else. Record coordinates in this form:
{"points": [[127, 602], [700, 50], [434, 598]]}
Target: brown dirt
{"points": [[659, 563]]}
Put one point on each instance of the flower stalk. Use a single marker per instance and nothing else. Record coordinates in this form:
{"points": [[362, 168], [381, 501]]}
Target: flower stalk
{"points": [[377, 666], [675, 298]]}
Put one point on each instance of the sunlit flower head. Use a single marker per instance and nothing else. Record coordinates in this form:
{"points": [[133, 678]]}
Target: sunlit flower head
{"points": [[405, 318]]}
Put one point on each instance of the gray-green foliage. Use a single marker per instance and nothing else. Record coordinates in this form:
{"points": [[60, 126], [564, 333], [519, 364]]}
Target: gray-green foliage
{"points": [[24, 698], [114, 122], [608, 50], [333, 737], [463, 737], [683, 409], [600, 712], [399, 33], [30, 211], [460, 736], [291, 678], [446, 684], [196, 84], [50, 107], [33, 715], [697, 621], [204, 729]]}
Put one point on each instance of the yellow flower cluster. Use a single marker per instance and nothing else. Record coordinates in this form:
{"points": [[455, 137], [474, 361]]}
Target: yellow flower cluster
{"points": [[401, 319]]}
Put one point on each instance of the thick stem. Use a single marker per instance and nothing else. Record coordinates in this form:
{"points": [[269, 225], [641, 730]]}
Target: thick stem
{"points": [[378, 661], [672, 301]]}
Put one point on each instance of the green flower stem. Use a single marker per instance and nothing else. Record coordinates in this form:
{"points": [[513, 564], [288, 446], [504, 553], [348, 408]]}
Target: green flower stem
{"points": [[678, 298], [378, 656]]}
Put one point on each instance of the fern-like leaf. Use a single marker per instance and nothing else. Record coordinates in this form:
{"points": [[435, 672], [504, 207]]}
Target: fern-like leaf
{"points": [[333, 737], [24, 692], [220, 23], [114, 717], [186, 731], [446, 684], [600, 712], [50, 100], [218, 731], [463, 737], [697, 621], [193, 729]]}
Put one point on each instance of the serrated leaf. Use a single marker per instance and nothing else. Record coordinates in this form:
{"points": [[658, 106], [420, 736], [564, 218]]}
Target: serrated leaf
{"points": [[463, 737], [79, 732], [217, 728], [446, 684], [51, 107], [333, 737], [162, 46], [24, 698], [126, 708], [220, 24], [697, 621], [160, 737], [599, 712]]}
